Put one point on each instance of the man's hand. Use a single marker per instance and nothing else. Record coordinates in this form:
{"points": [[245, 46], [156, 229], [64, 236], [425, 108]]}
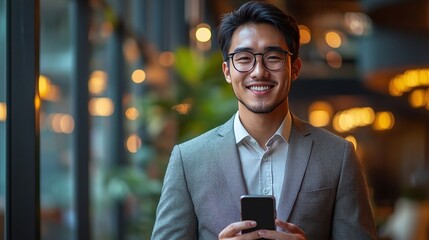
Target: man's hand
{"points": [[290, 232]]}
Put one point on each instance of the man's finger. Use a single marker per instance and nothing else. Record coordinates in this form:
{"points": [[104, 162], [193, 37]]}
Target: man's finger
{"points": [[291, 228], [235, 228]]}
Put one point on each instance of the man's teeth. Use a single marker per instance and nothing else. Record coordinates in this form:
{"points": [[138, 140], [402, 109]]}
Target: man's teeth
{"points": [[259, 88]]}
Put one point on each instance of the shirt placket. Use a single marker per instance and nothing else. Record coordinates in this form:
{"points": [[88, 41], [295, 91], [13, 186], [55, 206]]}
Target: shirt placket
{"points": [[266, 175]]}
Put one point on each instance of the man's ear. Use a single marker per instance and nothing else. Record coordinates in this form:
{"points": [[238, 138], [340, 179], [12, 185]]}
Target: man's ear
{"points": [[296, 68], [226, 72]]}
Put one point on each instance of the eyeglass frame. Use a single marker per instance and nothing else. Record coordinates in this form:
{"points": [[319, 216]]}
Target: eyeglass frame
{"points": [[231, 56]]}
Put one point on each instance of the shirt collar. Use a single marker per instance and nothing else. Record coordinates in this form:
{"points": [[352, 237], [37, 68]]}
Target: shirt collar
{"points": [[283, 131]]}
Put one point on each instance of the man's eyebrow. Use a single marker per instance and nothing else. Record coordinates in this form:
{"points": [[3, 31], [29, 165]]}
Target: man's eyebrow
{"points": [[271, 48], [240, 49]]}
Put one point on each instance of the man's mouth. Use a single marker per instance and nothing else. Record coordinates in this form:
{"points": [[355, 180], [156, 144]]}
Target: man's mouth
{"points": [[258, 88]]}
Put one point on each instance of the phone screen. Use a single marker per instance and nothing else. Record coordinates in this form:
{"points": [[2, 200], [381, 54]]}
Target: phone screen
{"points": [[260, 208]]}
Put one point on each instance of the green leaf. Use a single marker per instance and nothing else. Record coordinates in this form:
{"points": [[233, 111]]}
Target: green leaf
{"points": [[189, 65]]}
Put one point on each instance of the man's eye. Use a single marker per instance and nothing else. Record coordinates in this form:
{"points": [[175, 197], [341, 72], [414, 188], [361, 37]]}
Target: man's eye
{"points": [[274, 58], [243, 58]]}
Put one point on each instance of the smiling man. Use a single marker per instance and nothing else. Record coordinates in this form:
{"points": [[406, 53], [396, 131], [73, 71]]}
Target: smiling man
{"points": [[314, 175]]}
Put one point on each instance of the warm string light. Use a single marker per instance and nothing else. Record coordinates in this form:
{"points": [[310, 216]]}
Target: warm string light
{"points": [[305, 34], [352, 118], [47, 90], [133, 143], [102, 107], [132, 113], [97, 83], [138, 76], [61, 123], [3, 112], [202, 35], [349, 119], [383, 121], [320, 115], [333, 39], [414, 82]]}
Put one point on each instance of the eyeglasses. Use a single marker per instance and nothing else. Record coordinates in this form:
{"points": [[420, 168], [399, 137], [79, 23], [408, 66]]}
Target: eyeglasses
{"points": [[245, 61]]}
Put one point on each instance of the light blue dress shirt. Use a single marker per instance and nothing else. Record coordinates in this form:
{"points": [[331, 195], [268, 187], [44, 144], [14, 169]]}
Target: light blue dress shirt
{"points": [[263, 167]]}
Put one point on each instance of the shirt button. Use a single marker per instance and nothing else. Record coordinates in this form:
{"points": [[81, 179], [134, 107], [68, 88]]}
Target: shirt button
{"points": [[266, 191]]}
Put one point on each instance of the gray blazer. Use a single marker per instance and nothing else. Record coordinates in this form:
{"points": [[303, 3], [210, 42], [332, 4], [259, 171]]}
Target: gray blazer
{"points": [[324, 190]]}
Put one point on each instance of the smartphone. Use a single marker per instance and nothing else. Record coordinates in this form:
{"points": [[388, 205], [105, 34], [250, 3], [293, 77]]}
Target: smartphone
{"points": [[259, 208]]}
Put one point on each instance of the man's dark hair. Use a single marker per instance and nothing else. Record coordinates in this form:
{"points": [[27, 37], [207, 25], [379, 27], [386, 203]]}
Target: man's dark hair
{"points": [[258, 12]]}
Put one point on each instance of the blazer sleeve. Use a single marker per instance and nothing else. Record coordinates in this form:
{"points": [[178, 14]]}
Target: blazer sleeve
{"points": [[175, 216], [353, 217]]}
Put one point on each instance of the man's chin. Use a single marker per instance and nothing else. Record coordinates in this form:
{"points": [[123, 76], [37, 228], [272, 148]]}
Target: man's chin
{"points": [[260, 109]]}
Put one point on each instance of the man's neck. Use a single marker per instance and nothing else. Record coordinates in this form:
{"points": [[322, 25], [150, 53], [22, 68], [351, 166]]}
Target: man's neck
{"points": [[262, 126]]}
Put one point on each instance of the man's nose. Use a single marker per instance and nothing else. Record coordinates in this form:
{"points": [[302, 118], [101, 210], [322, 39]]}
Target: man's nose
{"points": [[259, 70]]}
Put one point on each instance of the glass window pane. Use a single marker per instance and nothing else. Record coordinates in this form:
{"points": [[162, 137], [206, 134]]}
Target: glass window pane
{"points": [[56, 121], [2, 114], [106, 211]]}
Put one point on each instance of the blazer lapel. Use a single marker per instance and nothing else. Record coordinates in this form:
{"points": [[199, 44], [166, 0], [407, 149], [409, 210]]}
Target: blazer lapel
{"points": [[229, 161], [296, 164]]}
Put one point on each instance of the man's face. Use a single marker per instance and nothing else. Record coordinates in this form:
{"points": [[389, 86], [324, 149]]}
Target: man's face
{"points": [[260, 90]]}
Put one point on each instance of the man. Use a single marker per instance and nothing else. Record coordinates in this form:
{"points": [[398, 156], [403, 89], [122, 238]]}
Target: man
{"points": [[263, 149]]}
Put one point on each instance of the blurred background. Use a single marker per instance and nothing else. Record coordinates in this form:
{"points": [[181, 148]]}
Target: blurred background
{"points": [[150, 71]]}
